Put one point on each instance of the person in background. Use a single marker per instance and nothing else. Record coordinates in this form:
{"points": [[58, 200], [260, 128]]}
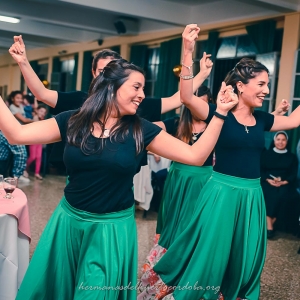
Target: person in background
{"points": [[30, 105], [278, 181], [16, 153], [35, 151], [184, 182]]}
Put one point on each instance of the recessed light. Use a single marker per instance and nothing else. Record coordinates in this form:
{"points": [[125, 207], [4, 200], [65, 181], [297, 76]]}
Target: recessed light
{"points": [[9, 19]]}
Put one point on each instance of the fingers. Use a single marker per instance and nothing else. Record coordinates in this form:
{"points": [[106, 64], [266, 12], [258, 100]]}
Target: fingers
{"points": [[191, 30]]}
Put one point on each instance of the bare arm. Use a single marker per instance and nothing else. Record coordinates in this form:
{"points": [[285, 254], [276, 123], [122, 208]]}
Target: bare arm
{"points": [[43, 132], [287, 122], [18, 52], [174, 101], [198, 108], [21, 118]]}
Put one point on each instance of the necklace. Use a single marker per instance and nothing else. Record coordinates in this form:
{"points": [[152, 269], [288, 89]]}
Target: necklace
{"points": [[106, 132], [194, 137], [246, 128]]}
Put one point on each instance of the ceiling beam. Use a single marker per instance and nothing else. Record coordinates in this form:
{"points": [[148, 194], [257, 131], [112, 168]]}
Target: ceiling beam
{"points": [[65, 34], [162, 11], [280, 4], [60, 14]]}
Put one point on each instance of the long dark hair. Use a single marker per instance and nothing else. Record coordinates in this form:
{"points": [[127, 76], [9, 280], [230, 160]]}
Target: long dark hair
{"points": [[100, 104], [185, 126], [243, 71]]}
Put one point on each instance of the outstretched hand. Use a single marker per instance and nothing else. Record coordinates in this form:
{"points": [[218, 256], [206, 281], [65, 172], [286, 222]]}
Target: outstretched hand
{"points": [[17, 50], [189, 36], [227, 99], [206, 63]]}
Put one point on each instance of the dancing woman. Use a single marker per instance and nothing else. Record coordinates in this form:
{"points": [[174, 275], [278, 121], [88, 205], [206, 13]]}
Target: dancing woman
{"points": [[183, 180], [88, 248], [223, 248]]}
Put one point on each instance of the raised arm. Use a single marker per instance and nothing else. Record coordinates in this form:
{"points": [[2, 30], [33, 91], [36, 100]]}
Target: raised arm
{"points": [[43, 132], [167, 146], [18, 52], [287, 122], [174, 101], [198, 108]]}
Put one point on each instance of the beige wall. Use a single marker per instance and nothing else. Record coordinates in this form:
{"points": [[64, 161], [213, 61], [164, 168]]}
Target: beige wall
{"points": [[290, 44]]}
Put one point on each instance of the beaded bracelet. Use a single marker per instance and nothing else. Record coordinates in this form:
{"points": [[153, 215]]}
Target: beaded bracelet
{"points": [[186, 77]]}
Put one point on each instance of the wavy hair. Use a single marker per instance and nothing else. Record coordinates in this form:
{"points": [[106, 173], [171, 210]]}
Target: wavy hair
{"points": [[98, 107], [243, 71], [185, 126]]}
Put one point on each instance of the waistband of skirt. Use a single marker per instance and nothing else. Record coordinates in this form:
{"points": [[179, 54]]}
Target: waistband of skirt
{"points": [[188, 168], [236, 181], [94, 217]]}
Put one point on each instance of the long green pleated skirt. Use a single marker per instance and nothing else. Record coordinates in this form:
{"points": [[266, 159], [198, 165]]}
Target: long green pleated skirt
{"points": [[181, 191], [222, 249], [84, 255]]}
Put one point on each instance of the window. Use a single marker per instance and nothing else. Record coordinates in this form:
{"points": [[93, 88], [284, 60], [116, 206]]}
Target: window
{"points": [[151, 69]]}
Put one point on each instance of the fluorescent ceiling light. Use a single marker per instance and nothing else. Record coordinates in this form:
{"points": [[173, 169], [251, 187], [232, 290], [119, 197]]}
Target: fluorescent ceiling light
{"points": [[9, 19]]}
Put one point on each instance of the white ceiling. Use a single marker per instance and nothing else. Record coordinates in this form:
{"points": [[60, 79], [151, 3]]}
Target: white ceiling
{"points": [[45, 23]]}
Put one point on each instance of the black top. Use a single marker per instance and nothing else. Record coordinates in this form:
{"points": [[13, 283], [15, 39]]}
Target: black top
{"points": [[238, 152], [102, 182], [284, 165], [149, 109], [171, 128]]}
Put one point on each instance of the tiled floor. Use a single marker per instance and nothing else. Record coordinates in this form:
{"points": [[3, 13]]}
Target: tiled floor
{"points": [[281, 275]]}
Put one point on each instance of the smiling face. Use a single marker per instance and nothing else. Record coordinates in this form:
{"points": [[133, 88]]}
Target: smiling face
{"points": [[131, 93], [280, 141], [253, 93], [17, 100], [41, 113]]}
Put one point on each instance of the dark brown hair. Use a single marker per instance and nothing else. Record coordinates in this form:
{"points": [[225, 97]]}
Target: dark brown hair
{"points": [[243, 71], [185, 126], [99, 106], [103, 54]]}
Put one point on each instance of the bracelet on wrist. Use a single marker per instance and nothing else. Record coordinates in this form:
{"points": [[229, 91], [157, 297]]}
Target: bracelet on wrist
{"points": [[220, 116], [188, 67], [186, 77]]}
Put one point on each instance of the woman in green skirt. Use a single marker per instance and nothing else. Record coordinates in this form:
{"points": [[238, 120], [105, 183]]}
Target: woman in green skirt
{"points": [[224, 245], [88, 249], [183, 183]]}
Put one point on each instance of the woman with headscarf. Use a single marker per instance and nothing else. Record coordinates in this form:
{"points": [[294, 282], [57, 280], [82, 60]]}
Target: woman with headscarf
{"points": [[278, 177]]}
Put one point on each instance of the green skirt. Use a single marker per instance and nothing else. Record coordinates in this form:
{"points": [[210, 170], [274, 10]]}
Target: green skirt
{"points": [[222, 249], [181, 191], [84, 255]]}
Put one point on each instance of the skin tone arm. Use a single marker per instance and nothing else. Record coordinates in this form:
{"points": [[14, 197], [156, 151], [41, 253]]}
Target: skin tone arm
{"points": [[21, 118], [174, 101], [18, 52], [287, 122]]}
